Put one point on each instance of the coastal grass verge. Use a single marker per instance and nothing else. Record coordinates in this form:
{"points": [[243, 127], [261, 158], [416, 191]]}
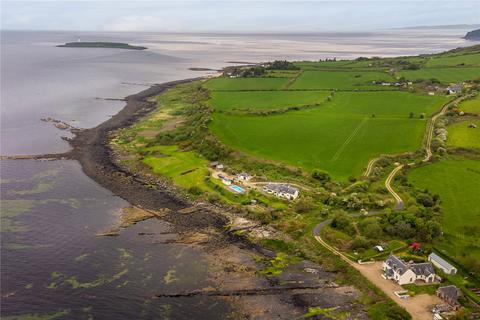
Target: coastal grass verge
{"points": [[235, 84]]}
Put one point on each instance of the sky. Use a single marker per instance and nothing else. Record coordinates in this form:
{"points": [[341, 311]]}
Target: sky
{"points": [[235, 16]]}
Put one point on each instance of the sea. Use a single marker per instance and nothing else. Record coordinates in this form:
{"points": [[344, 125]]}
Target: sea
{"points": [[54, 265]]}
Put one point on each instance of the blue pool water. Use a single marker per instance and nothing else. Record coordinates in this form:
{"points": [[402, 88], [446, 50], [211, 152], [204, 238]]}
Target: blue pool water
{"points": [[237, 189]]}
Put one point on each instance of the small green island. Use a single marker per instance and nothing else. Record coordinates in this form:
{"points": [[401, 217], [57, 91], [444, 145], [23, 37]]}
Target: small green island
{"points": [[114, 45]]}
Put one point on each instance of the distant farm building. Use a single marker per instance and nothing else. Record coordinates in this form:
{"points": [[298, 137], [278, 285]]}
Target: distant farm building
{"points": [[442, 264], [454, 89], [450, 295], [402, 272], [281, 190]]}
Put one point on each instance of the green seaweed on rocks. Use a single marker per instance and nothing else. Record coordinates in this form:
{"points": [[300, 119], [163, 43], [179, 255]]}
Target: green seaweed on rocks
{"points": [[37, 316], [275, 267]]}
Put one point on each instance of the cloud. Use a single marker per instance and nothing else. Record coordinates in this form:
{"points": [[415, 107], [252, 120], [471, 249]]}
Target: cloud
{"points": [[142, 23]]}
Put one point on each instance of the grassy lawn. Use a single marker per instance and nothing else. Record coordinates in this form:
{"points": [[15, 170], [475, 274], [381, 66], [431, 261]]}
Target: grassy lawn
{"points": [[371, 253], [414, 289], [460, 135], [340, 136], [341, 80], [186, 169], [264, 100], [223, 83], [472, 105], [457, 181], [454, 60], [444, 75]]}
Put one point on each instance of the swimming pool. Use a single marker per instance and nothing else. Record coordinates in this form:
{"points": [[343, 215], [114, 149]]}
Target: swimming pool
{"points": [[237, 189]]}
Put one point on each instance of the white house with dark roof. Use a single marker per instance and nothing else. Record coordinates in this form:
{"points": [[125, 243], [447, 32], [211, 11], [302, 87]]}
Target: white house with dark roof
{"points": [[282, 190], [243, 176], [402, 272], [441, 264], [454, 89]]}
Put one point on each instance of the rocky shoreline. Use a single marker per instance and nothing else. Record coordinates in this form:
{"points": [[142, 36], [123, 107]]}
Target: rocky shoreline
{"points": [[230, 256]]}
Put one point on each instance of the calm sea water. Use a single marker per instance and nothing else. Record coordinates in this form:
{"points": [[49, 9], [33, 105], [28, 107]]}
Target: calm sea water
{"points": [[52, 262]]}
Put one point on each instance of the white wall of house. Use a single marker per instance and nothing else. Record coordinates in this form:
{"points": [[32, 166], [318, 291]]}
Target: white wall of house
{"points": [[408, 277]]}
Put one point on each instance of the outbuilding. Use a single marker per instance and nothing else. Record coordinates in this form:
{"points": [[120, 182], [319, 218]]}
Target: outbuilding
{"points": [[450, 295], [441, 263]]}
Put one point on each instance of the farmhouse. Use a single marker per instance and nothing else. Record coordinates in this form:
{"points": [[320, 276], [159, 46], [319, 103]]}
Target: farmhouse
{"points": [[449, 294], [402, 272], [243, 176], [442, 264], [454, 89], [281, 190]]}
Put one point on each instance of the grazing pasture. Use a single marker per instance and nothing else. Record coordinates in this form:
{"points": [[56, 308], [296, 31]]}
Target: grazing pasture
{"points": [[349, 80], [454, 60], [460, 135], [306, 65], [223, 83], [281, 73], [472, 105], [444, 75], [457, 181], [264, 100], [340, 136]]}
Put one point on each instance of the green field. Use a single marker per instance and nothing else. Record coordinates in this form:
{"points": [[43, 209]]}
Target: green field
{"points": [[341, 80], [281, 73], [472, 105], [340, 136], [322, 64], [185, 168], [457, 181], [460, 135], [222, 100], [444, 75], [223, 83], [454, 60]]}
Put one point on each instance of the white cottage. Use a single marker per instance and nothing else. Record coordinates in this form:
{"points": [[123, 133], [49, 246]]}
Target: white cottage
{"points": [[402, 272], [243, 176], [282, 190]]}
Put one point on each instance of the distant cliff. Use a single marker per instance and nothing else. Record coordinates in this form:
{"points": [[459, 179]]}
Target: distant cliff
{"points": [[473, 35], [115, 45]]}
